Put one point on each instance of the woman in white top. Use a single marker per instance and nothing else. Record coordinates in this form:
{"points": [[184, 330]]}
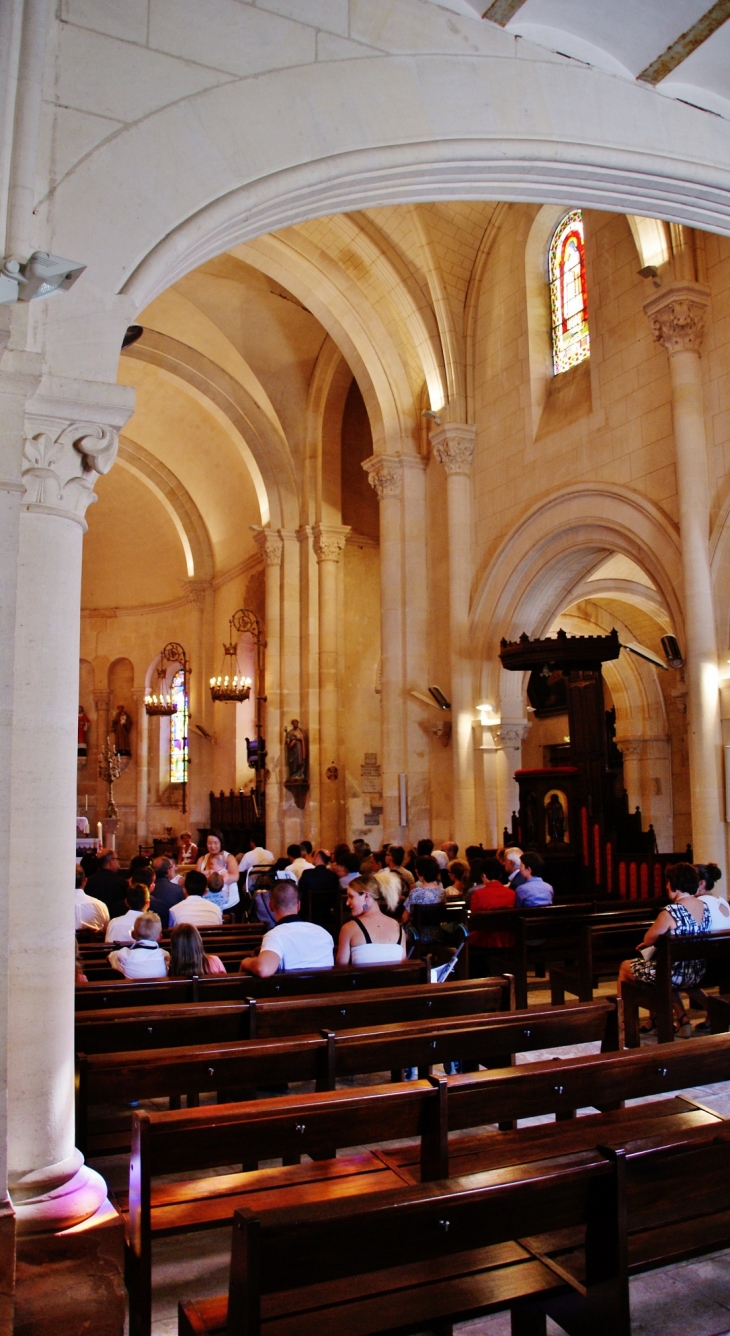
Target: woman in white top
{"points": [[370, 938], [218, 859]]}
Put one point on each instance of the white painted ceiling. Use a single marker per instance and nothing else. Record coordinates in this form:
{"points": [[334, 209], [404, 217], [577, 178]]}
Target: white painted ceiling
{"points": [[623, 37]]}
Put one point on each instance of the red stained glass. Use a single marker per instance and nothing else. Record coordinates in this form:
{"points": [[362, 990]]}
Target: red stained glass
{"points": [[568, 294]]}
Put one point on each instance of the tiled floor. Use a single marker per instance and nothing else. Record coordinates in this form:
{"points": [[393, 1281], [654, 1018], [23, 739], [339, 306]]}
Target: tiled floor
{"points": [[690, 1299]]}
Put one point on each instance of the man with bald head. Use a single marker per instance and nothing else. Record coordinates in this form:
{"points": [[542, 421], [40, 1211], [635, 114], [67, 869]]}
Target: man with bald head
{"points": [[292, 944]]}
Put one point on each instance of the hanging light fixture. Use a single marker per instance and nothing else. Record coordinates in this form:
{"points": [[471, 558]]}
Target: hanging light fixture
{"points": [[161, 702], [230, 684]]}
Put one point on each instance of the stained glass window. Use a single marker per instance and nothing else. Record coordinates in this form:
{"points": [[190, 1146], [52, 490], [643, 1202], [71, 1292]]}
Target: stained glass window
{"points": [[179, 730], [568, 294]]}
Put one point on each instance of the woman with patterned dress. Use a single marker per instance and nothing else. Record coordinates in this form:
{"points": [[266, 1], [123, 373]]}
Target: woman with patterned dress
{"points": [[686, 915]]}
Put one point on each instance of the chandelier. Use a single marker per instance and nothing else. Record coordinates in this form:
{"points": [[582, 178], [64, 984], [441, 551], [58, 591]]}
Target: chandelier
{"points": [[230, 684], [161, 702]]}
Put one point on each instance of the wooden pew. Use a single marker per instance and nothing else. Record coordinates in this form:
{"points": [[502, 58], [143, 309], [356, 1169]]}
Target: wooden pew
{"points": [[657, 997], [465, 1248], [236, 988], [422, 1258], [550, 933], [601, 949], [287, 1127], [105, 1079], [601, 1081], [125, 1028]]}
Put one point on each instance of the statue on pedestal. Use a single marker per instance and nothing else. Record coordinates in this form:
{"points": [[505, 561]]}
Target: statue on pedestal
{"points": [[83, 728], [297, 754], [122, 725]]}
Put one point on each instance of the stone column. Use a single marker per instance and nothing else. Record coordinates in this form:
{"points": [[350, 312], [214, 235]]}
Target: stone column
{"points": [[102, 702], [677, 318], [509, 738], [453, 446], [271, 546], [329, 544], [143, 764], [68, 444], [385, 475]]}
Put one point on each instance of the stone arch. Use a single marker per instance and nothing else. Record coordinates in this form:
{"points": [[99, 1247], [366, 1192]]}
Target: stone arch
{"points": [[530, 577], [177, 502], [266, 453]]}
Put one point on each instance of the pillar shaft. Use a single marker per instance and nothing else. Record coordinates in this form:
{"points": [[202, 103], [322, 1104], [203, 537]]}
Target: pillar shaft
{"points": [[385, 475], [677, 316], [271, 546], [143, 764], [453, 446], [329, 543], [61, 461]]}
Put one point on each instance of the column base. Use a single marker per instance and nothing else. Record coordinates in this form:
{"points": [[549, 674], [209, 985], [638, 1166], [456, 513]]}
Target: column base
{"points": [[72, 1280], [59, 1196]]}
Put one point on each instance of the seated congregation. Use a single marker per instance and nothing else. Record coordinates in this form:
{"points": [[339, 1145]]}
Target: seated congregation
{"points": [[542, 1220]]}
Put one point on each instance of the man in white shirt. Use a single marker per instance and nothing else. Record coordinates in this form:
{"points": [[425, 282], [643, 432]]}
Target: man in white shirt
{"points": [[256, 857], [194, 909], [145, 958], [299, 863], [291, 945], [90, 913], [120, 929]]}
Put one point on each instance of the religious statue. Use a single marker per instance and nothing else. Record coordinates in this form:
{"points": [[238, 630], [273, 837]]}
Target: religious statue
{"points": [[83, 726], [296, 751], [122, 725], [555, 820]]}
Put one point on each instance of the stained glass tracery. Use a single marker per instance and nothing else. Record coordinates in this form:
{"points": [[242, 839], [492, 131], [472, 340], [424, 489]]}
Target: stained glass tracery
{"points": [[179, 730], [568, 293]]}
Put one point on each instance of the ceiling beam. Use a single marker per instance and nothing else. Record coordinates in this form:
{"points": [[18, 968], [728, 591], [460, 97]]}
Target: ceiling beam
{"points": [[684, 45], [501, 11]]}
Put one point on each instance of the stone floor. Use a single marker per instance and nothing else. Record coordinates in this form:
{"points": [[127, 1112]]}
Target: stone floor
{"points": [[691, 1299]]}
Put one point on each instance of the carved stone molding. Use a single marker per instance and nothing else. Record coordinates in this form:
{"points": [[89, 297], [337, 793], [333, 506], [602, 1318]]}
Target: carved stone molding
{"points": [[385, 475], [512, 734], [329, 543], [61, 463], [676, 316], [271, 547], [453, 446]]}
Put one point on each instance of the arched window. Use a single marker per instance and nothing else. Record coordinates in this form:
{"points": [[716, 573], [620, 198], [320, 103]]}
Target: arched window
{"points": [[179, 730], [568, 293]]}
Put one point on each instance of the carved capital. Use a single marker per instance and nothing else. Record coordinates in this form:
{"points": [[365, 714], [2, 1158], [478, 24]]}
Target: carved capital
{"points": [[385, 475], [676, 316], [329, 543], [511, 734], [453, 446], [61, 463], [271, 547]]}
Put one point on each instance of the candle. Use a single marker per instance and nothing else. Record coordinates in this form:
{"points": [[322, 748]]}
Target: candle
{"points": [[99, 833], [86, 802]]}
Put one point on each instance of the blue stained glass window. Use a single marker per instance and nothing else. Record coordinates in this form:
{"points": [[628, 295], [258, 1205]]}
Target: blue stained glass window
{"points": [[568, 293], [179, 730]]}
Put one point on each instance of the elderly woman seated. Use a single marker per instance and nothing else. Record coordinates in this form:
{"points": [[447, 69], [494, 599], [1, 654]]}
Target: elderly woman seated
{"points": [[686, 915]]}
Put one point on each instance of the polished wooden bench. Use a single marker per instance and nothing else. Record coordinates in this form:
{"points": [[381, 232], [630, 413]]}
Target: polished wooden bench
{"points": [[600, 950], [560, 1088], [467, 1246], [549, 933], [288, 1127], [236, 988], [422, 1258], [105, 1079], [656, 998], [125, 1028]]}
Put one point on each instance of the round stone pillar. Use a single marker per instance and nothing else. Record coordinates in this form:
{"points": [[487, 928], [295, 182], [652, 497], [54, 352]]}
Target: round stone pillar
{"points": [[143, 763], [453, 446], [271, 546], [385, 475], [677, 317], [50, 1186], [329, 544]]}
